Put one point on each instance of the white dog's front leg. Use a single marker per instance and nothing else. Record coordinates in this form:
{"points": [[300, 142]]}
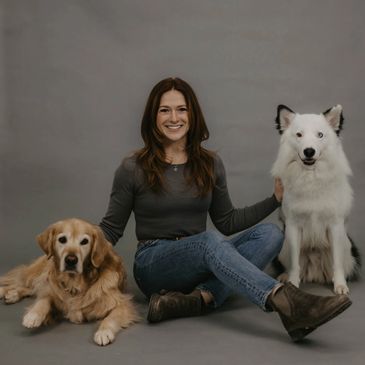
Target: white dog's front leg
{"points": [[338, 240], [37, 313], [293, 237]]}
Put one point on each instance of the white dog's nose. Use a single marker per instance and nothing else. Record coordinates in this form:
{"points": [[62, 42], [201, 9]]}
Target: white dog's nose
{"points": [[309, 152]]}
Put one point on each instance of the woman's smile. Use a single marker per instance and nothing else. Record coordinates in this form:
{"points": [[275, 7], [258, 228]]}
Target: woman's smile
{"points": [[172, 117]]}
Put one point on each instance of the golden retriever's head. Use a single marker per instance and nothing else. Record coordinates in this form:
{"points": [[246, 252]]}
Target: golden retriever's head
{"points": [[73, 243]]}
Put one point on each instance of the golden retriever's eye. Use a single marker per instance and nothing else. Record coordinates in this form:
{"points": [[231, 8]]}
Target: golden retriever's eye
{"points": [[85, 241], [62, 239]]}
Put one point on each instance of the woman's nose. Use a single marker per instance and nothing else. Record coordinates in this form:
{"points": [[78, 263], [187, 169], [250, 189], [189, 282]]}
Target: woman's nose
{"points": [[173, 116]]}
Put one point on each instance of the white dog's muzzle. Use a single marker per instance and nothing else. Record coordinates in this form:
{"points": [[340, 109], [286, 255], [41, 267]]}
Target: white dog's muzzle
{"points": [[309, 154]]}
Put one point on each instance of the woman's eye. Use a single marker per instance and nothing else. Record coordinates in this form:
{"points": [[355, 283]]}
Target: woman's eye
{"points": [[183, 109], [62, 239], [85, 241], [164, 110], [299, 135], [320, 135]]}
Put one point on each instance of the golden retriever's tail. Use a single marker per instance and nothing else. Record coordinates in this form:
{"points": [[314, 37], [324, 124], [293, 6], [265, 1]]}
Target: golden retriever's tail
{"points": [[129, 313]]}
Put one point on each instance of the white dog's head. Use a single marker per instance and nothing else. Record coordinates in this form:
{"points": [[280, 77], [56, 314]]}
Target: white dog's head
{"points": [[309, 134]]}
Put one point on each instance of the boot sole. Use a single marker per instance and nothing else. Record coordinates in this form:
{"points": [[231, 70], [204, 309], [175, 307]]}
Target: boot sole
{"points": [[152, 309], [300, 333]]}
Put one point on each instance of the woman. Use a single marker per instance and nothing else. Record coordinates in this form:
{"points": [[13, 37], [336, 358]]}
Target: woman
{"points": [[171, 184]]}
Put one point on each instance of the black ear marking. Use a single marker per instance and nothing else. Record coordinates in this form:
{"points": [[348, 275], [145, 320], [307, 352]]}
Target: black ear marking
{"points": [[340, 124], [280, 108]]}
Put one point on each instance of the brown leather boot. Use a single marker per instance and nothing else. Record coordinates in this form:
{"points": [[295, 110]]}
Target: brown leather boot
{"points": [[173, 305], [301, 312]]}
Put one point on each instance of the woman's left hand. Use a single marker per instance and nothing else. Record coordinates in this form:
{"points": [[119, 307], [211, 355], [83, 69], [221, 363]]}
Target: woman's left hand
{"points": [[278, 190]]}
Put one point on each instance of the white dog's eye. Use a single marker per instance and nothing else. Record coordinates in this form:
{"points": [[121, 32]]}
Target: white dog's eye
{"points": [[85, 241], [299, 134], [320, 134], [62, 239]]}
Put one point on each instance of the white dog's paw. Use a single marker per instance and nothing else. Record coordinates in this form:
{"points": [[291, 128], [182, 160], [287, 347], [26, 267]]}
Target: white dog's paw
{"points": [[32, 320], [11, 296], [104, 337], [283, 278], [341, 289], [339, 284], [294, 279]]}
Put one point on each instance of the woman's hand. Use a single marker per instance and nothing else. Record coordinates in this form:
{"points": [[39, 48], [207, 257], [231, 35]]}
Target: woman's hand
{"points": [[278, 190]]}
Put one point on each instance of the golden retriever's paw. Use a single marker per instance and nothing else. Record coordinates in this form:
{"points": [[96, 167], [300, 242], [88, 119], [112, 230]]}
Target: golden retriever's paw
{"points": [[11, 296], [32, 320], [2, 292], [104, 337], [341, 289]]}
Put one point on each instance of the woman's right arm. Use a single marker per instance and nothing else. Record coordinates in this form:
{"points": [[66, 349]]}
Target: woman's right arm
{"points": [[120, 203]]}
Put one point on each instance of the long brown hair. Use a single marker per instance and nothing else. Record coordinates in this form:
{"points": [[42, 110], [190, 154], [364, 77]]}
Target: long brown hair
{"points": [[152, 157]]}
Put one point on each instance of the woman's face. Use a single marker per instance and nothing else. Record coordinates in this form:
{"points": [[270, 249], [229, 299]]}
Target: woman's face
{"points": [[172, 117]]}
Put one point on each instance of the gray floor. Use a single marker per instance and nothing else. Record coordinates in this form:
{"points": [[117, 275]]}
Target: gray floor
{"points": [[237, 332], [74, 78]]}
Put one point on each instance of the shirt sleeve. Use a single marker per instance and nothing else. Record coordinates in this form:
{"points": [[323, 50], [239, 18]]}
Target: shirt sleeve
{"points": [[225, 216], [120, 203]]}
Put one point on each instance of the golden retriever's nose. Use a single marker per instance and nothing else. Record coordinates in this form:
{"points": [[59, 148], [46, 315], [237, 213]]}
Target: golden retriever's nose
{"points": [[71, 261]]}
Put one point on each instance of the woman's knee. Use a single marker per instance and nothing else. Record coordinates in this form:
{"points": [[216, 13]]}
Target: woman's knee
{"points": [[272, 236]]}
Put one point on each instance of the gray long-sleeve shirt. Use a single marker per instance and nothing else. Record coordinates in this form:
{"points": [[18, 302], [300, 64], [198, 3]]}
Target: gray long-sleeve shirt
{"points": [[177, 211]]}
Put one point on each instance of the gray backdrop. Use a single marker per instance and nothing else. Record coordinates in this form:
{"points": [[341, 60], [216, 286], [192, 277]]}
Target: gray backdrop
{"points": [[74, 78]]}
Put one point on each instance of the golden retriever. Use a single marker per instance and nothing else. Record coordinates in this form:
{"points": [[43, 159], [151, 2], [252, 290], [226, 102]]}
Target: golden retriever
{"points": [[80, 278]]}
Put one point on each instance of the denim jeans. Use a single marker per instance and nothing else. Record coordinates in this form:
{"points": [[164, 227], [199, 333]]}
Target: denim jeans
{"points": [[211, 262]]}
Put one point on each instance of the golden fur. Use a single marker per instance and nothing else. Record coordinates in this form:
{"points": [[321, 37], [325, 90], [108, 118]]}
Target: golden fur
{"points": [[80, 278]]}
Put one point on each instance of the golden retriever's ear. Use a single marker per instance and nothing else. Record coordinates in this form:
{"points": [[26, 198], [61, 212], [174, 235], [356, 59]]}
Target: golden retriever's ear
{"points": [[100, 247], [45, 241]]}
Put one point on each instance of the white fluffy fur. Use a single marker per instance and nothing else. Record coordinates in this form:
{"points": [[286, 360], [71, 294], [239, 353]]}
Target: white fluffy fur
{"points": [[317, 199]]}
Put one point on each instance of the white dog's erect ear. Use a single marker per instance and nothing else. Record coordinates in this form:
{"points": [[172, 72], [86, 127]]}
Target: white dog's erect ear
{"points": [[284, 117], [45, 241], [334, 117]]}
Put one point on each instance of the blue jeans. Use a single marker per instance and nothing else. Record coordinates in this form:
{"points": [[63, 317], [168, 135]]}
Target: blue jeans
{"points": [[211, 262]]}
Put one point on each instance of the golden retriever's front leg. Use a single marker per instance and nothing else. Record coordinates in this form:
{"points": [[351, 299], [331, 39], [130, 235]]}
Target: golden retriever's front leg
{"points": [[38, 313], [76, 317], [121, 316], [108, 328]]}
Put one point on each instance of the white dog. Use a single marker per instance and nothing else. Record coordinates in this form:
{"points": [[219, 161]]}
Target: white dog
{"points": [[317, 199]]}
